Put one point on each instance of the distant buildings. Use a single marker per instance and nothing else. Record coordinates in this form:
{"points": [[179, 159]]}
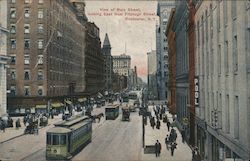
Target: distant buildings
{"points": [[3, 57], [163, 11], [108, 63], [152, 69], [121, 64]]}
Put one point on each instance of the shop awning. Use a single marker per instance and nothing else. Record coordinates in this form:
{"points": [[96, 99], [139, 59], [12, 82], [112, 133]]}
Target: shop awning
{"points": [[68, 102], [56, 105], [82, 99], [41, 106]]}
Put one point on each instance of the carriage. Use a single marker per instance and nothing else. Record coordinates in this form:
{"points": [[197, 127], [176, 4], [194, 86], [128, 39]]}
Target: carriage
{"points": [[68, 137], [125, 113]]}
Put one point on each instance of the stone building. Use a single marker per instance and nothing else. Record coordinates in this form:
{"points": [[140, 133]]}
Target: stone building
{"points": [[152, 69], [93, 61], [3, 57], [46, 45], [223, 70], [180, 28], [121, 64], [163, 11], [108, 63], [172, 63]]}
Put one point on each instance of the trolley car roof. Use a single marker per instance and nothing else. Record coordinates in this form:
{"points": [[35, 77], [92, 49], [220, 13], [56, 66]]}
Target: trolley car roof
{"points": [[71, 122], [59, 130]]}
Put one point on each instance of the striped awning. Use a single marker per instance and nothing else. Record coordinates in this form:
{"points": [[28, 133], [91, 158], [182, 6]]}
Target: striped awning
{"points": [[41, 106], [82, 99], [68, 102], [57, 104]]}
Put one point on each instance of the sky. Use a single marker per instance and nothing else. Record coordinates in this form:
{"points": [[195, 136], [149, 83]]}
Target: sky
{"points": [[128, 23]]}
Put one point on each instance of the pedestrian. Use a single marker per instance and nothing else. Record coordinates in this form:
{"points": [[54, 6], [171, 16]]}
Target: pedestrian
{"points": [[173, 116], [167, 141], [168, 125], [157, 148], [173, 147], [18, 124], [183, 134], [152, 122], [158, 124]]}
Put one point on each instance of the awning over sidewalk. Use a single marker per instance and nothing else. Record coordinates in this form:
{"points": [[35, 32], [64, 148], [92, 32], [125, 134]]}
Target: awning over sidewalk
{"points": [[68, 102], [82, 99], [56, 104], [41, 106]]}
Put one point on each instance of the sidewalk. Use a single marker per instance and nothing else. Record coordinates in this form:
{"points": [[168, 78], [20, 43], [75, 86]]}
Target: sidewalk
{"points": [[182, 153], [11, 133]]}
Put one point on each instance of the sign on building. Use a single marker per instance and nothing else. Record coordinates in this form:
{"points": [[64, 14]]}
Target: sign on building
{"points": [[196, 92]]}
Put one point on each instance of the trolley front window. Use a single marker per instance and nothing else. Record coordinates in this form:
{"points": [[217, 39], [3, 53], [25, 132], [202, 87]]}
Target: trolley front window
{"points": [[48, 139], [63, 140], [55, 140]]}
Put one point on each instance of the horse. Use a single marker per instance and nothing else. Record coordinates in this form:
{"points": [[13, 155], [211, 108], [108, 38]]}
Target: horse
{"points": [[99, 116]]}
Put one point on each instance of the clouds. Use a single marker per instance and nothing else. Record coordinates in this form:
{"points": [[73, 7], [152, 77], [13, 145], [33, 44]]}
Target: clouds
{"points": [[139, 35]]}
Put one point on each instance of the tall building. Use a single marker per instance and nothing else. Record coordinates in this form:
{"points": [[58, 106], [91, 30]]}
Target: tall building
{"points": [[108, 63], [46, 45], [223, 77], [152, 69], [3, 57], [172, 63], [163, 11], [93, 61], [180, 28], [121, 64]]}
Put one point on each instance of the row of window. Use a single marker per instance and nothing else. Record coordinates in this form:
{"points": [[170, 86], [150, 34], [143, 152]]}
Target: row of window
{"points": [[40, 28], [28, 1], [27, 45], [27, 91], [13, 11], [27, 59], [26, 74]]}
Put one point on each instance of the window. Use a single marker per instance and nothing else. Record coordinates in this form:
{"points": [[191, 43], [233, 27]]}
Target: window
{"points": [[226, 57], [26, 12], [227, 122], [12, 90], [13, 43], [235, 54], [26, 75], [236, 117], [40, 13], [26, 90], [225, 12], [219, 60], [40, 28], [218, 17], [13, 28], [13, 59], [55, 140], [12, 13], [13, 74], [26, 43], [26, 1], [40, 59], [40, 44], [234, 10], [26, 28], [13, 1], [40, 75], [40, 90], [26, 59], [40, 1]]}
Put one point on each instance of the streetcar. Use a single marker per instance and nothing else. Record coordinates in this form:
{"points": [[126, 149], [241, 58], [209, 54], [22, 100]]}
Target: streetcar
{"points": [[112, 112], [67, 138]]}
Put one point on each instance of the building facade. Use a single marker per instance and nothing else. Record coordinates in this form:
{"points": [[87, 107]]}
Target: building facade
{"points": [[46, 45], [163, 11], [121, 64], [108, 63], [223, 72], [152, 69], [182, 68], [93, 61], [3, 57], [172, 63]]}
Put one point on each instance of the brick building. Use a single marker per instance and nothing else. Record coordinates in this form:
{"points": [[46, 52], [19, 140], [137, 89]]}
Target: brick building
{"points": [[46, 45]]}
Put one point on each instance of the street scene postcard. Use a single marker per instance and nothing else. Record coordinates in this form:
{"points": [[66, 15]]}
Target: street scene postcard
{"points": [[125, 80]]}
